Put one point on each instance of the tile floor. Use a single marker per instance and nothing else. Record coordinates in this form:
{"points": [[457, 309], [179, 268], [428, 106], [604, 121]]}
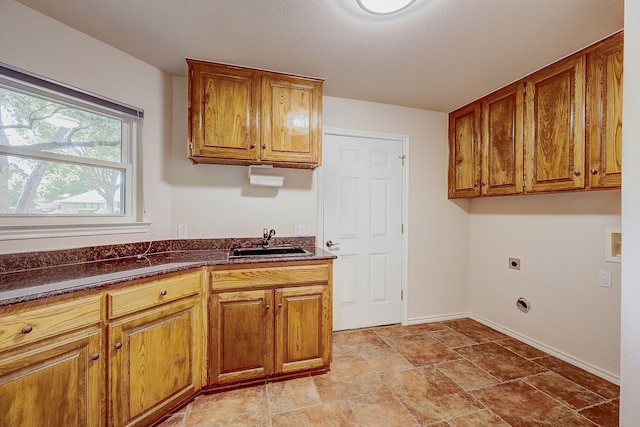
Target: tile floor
{"points": [[453, 373]]}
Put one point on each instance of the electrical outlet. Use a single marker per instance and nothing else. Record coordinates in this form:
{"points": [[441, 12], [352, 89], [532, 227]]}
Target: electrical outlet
{"points": [[182, 232], [302, 229], [514, 263], [605, 279]]}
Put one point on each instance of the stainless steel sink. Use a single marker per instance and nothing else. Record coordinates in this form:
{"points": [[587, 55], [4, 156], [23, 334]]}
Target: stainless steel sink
{"points": [[274, 251]]}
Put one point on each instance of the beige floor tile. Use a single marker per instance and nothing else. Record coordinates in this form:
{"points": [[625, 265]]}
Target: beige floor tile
{"points": [[564, 390], [356, 341], [467, 375], [484, 418], [381, 409], [386, 360], [292, 394], [422, 349], [452, 338], [429, 395], [338, 414], [500, 362], [244, 406], [333, 387], [524, 350], [475, 330], [519, 404], [585, 379]]}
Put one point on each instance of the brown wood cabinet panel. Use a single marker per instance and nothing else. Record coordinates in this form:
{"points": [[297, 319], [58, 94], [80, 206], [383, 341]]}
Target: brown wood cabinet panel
{"points": [[555, 129], [502, 137], [55, 382], [152, 293], [241, 335], [604, 113], [46, 320], [291, 128], [223, 111], [464, 151], [248, 278], [302, 328], [154, 361]]}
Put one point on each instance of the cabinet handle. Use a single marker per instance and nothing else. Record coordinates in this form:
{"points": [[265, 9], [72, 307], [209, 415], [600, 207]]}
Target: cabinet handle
{"points": [[252, 146], [27, 329], [163, 292], [577, 173], [475, 184], [267, 307], [279, 305], [264, 146], [118, 345], [95, 356], [593, 171], [484, 184]]}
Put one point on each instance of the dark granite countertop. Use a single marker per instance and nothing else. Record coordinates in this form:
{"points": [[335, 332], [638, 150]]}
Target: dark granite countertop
{"points": [[36, 283]]}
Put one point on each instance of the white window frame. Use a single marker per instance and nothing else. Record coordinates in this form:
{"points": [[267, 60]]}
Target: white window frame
{"points": [[15, 226]]}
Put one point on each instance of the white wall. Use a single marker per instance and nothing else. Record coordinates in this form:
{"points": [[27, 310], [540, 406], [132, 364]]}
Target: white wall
{"points": [[217, 200], [560, 239], [630, 335], [437, 228], [37, 43]]}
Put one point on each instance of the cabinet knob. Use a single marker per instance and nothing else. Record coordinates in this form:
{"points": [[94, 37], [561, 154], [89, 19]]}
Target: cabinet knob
{"points": [[577, 173], [267, 307], [264, 146], [27, 329], [118, 345], [475, 184], [593, 171], [279, 305], [95, 356], [484, 184], [163, 292], [252, 146]]}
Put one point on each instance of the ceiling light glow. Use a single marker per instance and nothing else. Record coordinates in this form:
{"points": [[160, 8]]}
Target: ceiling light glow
{"points": [[384, 7]]}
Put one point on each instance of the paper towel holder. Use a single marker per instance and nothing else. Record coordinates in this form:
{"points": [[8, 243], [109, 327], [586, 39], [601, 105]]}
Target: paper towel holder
{"points": [[264, 180]]}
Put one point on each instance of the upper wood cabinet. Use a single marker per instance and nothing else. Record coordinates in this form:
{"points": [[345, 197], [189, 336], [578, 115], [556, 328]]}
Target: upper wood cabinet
{"points": [[242, 116], [502, 136], [464, 151], [604, 115], [554, 135], [557, 129]]}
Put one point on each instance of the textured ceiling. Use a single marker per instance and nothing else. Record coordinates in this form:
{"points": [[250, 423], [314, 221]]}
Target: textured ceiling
{"points": [[436, 54]]}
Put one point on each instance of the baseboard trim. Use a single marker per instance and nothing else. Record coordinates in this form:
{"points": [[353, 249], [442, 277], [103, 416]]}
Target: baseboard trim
{"points": [[533, 343], [439, 318]]}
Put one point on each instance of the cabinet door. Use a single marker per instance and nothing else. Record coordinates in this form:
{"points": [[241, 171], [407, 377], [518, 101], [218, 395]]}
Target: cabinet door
{"points": [[464, 151], [56, 382], [153, 359], [554, 127], [241, 338], [223, 112], [303, 328], [502, 136], [604, 113], [291, 128]]}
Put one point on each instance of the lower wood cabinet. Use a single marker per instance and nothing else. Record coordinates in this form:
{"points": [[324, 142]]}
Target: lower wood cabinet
{"points": [[155, 351], [52, 364], [269, 321], [263, 321]]}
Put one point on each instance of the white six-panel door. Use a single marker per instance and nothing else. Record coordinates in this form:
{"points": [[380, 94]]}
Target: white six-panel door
{"points": [[362, 182]]}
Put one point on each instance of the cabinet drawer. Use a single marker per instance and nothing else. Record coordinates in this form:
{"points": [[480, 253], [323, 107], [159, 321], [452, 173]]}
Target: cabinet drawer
{"points": [[269, 276], [25, 326], [152, 293]]}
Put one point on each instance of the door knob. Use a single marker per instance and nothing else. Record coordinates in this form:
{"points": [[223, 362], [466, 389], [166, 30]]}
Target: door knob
{"points": [[331, 244]]}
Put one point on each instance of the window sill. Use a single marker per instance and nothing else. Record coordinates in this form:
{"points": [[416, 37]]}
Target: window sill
{"points": [[49, 231]]}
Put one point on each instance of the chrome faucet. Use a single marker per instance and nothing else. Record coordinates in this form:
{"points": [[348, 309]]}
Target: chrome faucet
{"points": [[266, 236]]}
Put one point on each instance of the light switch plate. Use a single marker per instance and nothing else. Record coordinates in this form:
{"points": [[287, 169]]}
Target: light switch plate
{"points": [[302, 229], [605, 279], [182, 232]]}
